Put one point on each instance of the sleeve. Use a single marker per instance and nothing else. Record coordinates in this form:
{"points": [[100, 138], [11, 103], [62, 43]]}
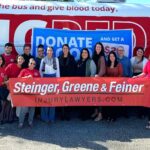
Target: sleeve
{"points": [[38, 73], [58, 70], [120, 70], [74, 66], [21, 74], [92, 68], [130, 69], [41, 66], [102, 70], [146, 68], [145, 62], [8, 70], [131, 61]]}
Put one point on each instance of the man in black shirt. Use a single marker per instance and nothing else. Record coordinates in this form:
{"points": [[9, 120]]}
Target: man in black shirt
{"points": [[26, 55], [40, 51]]}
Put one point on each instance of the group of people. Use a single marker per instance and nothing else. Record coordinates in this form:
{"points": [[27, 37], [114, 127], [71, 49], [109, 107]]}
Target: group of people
{"points": [[116, 64]]}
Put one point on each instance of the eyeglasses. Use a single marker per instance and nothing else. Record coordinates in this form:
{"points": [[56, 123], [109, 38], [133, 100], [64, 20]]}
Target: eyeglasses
{"points": [[40, 51], [33, 64]]}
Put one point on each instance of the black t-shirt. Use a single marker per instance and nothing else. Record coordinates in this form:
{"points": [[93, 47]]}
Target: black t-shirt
{"points": [[81, 68]]}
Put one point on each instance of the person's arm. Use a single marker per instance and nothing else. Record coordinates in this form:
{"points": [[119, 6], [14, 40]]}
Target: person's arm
{"points": [[120, 70], [41, 67], [143, 74], [102, 70], [131, 62], [8, 70], [58, 70], [22, 74], [92, 68], [130, 69]]}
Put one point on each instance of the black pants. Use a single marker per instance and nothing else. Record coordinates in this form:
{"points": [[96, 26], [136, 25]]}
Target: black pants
{"points": [[110, 112], [85, 112], [3, 96], [65, 113], [148, 110]]}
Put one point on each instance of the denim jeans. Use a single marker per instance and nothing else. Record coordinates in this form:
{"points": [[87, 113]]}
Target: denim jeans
{"points": [[48, 113], [23, 111]]}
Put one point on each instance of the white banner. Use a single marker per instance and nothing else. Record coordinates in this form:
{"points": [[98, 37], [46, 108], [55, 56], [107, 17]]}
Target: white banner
{"points": [[74, 9]]}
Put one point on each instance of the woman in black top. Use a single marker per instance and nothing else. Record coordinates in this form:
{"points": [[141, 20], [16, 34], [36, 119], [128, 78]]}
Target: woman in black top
{"points": [[85, 68], [67, 66]]}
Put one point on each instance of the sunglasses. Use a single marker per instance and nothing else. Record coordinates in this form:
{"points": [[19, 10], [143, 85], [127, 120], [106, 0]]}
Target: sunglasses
{"points": [[33, 64]]}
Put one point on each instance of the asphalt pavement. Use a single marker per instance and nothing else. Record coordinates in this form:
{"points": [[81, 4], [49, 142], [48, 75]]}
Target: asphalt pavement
{"points": [[124, 134]]}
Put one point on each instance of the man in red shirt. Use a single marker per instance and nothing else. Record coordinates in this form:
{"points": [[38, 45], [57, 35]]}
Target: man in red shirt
{"points": [[8, 56]]}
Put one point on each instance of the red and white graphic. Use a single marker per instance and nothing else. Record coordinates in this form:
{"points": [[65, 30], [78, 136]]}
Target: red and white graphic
{"points": [[18, 18]]}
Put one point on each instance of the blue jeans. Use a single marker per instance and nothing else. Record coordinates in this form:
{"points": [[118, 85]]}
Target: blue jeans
{"points": [[48, 113], [23, 111]]}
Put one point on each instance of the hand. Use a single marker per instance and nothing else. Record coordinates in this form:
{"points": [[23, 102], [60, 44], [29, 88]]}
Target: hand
{"points": [[135, 77], [29, 76]]}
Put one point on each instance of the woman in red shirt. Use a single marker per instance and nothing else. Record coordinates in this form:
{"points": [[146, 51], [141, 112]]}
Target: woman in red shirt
{"points": [[113, 69], [3, 90], [29, 72], [146, 73], [12, 71]]}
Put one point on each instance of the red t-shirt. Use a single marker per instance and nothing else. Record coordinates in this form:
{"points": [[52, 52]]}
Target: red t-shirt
{"points": [[26, 72], [2, 75], [114, 72], [9, 58], [12, 70], [147, 69]]}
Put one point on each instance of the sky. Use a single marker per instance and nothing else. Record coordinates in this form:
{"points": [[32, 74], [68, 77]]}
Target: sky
{"points": [[138, 1], [127, 1]]}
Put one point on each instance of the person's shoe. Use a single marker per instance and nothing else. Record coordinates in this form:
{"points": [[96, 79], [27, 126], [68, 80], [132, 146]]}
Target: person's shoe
{"points": [[94, 115], [20, 126], [148, 125], [30, 124], [1, 122], [67, 118], [98, 118]]}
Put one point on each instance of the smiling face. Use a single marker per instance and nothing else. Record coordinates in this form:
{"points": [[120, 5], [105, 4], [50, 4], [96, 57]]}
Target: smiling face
{"points": [[8, 50], [40, 52], [139, 53], [84, 54], [98, 48], [49, 52], [120, 51], [112, 58], [20, 60], [32, 64], [27, 50], [65, 50]]}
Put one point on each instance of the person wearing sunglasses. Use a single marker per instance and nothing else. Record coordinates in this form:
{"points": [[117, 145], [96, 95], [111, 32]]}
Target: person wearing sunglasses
{"points": [[29, 72]]}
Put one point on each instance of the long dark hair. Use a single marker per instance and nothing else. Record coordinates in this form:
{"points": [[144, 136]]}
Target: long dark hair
{"points": [[140, 48], [102, 49], [97, 56], [68, 49], [109, 61], [85, 49], [3, 60]]}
